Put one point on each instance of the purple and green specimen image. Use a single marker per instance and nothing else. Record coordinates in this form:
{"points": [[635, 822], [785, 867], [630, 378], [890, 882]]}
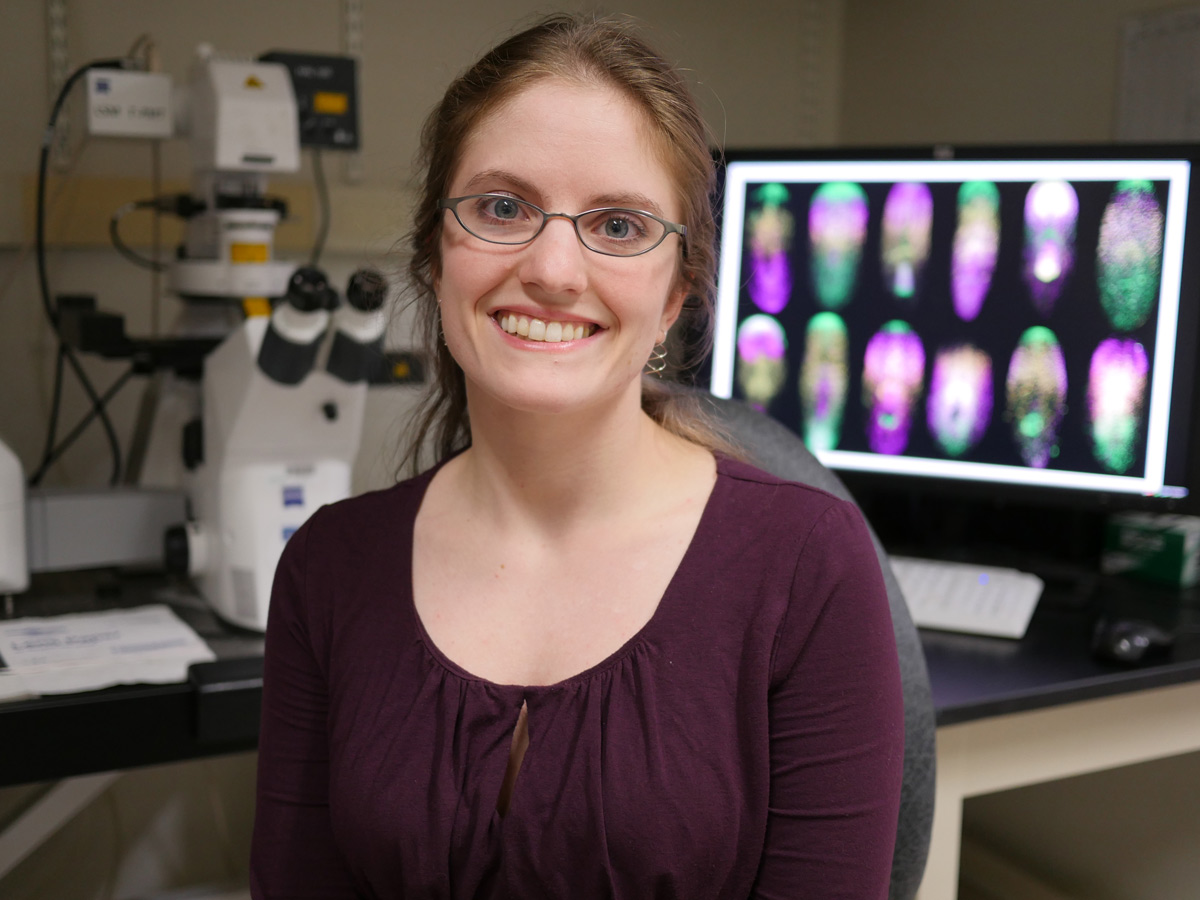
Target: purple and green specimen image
{"points": [[1037, 395], [1129, 254], [771, 227], [837, 228], [893, 376], [1051, 212], [1116, 399], [823, 379], [976, 242], [959, 408], [761, 359], [907, 225]]}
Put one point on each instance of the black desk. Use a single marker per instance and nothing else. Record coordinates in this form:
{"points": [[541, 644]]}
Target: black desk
{"points": [[214, 713]]}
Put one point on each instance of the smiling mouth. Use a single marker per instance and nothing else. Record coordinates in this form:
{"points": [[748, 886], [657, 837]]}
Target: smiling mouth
{"points": [[550, 332]]}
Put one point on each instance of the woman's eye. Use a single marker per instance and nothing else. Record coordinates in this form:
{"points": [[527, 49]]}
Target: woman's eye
{"points": [[622, 227], [617, 228], [503, 208]]}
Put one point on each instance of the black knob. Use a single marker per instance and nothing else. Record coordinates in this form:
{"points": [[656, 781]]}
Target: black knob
{"points": [[175, 549], [330, 410], [309, 291], [367, 290]]}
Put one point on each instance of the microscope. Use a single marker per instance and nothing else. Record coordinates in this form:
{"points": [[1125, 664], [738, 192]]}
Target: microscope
{"points": [[279, 437], [281, 407], [266, 374]]}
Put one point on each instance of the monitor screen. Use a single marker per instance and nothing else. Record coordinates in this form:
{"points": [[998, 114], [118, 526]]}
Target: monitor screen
{"points": [[1023, 320]]}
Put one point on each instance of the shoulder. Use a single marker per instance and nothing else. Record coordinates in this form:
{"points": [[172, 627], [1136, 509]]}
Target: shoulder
{"points": [[748, 491], [777, 531]]}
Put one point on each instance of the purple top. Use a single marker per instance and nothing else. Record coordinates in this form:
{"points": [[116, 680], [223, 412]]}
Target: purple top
{"points": [[747, 742]]}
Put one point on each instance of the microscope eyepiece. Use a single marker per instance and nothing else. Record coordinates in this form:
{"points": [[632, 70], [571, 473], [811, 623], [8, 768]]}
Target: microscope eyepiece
{"points": [[309, 291], [366, 290]]}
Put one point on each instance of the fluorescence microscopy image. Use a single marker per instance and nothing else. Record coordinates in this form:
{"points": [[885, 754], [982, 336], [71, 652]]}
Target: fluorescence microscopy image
{"points": [[1129, 254], [907, 225], [823, 379], [959, 407], [893, 377], [976, 242], [837, 228], [1116, 400], [1051, 213], [771, 228], [761, 359], [1036, 390]]}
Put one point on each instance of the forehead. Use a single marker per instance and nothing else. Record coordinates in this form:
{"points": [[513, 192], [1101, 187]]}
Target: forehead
{"points": [[574, 142]]}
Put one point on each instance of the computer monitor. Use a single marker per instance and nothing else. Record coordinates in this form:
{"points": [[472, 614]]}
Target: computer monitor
{"points": [[1008, 323]]}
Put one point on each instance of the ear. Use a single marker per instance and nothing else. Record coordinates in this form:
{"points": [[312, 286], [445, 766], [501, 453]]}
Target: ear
{"points": [[674, 305]]}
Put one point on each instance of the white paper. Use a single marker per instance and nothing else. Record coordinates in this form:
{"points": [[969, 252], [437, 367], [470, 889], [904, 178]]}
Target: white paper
{"points": [[87, 651]]}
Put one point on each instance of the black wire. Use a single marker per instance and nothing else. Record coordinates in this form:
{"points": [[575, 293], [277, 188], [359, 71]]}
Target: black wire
{"points": [[56, 399], [114, 232], [64, 350], [323, 207], [73, 435]]}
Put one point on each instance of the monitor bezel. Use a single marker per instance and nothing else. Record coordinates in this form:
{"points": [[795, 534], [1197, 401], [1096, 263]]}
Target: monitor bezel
{"points": [[865, 483]]}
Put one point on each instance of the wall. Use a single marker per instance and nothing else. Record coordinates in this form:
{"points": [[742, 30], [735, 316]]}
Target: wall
{"points": [[974, 71], [766, 73]]}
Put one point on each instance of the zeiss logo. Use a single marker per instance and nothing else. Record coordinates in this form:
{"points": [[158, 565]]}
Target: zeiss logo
{"points": [[293, 495], [103, 86]]}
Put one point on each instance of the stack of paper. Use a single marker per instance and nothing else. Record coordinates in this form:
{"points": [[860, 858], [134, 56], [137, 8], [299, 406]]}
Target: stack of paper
{"points": [[86, 651]]}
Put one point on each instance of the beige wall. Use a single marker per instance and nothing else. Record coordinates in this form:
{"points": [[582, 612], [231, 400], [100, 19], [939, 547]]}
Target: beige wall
{"points": [[981, 71]]}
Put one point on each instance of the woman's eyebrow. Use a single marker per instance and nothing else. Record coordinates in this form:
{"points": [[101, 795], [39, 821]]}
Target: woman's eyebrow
{"points": [[491, 176], [625, 200], [631, 200]]}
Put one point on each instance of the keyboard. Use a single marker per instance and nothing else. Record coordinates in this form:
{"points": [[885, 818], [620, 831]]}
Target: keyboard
{"points": [[952, 596]]}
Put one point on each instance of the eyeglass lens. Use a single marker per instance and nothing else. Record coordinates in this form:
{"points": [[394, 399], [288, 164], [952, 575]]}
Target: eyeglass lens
{"points": [[507, 220]]}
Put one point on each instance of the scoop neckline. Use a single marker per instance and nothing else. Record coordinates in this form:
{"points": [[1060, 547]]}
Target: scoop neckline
{"points": [[635, 640]]}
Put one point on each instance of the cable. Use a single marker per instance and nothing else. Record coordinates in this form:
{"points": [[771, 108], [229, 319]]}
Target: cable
{"points": [[73, 435], [55, 402], [44, 281], [114, 232], [323, 206]]}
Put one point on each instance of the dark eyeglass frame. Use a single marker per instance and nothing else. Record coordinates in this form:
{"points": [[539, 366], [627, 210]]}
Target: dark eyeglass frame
{"points": [[451, 203]]}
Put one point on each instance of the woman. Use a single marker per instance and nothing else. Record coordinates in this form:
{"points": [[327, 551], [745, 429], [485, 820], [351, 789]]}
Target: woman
{"points": [[582, 656]]}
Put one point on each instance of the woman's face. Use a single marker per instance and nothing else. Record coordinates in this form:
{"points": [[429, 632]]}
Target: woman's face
{"points": [[566, 147]]}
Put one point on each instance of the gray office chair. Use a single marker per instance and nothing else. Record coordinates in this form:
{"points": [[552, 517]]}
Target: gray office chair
{"points": [[779, 451]]}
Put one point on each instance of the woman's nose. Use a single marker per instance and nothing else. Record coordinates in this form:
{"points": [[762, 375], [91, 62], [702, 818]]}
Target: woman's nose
{"points": [[556, 261]]}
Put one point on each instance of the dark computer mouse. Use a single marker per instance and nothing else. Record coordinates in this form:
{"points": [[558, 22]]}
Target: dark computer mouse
{"points": [[1129, 640]]}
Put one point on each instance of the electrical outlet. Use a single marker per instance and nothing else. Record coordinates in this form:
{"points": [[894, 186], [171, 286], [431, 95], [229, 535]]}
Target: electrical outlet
{"points": [[129, 104]]}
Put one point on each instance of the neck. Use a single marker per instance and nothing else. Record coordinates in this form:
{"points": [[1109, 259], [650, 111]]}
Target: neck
{"points": [[556, 469]]}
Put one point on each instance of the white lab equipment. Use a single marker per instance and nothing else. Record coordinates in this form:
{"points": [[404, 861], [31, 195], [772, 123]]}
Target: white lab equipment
{"points": [[280, 436], [14, 565], [242, 123]]}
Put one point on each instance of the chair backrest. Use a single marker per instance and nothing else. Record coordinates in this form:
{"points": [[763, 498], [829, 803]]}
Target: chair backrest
{"points": [[775, 449]]}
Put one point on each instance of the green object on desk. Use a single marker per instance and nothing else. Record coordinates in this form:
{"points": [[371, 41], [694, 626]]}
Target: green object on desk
{"points": [[1160, 548]]}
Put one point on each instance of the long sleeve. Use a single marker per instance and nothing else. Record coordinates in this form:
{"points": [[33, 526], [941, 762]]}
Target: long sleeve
{"points": [[293, 853], [836, 724]]}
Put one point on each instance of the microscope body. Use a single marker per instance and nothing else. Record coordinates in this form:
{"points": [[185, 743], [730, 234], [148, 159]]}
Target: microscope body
{"points": [[273, 454]]}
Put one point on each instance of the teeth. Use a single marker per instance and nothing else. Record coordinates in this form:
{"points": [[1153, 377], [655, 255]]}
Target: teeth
{"points": [[538, 330]]}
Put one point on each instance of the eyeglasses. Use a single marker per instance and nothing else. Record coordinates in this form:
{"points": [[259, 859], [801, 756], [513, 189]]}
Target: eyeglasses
{"points": [[613, 231]]}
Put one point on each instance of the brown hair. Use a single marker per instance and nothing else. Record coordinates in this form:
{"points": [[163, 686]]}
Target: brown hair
{"points": [[605, 51]]}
